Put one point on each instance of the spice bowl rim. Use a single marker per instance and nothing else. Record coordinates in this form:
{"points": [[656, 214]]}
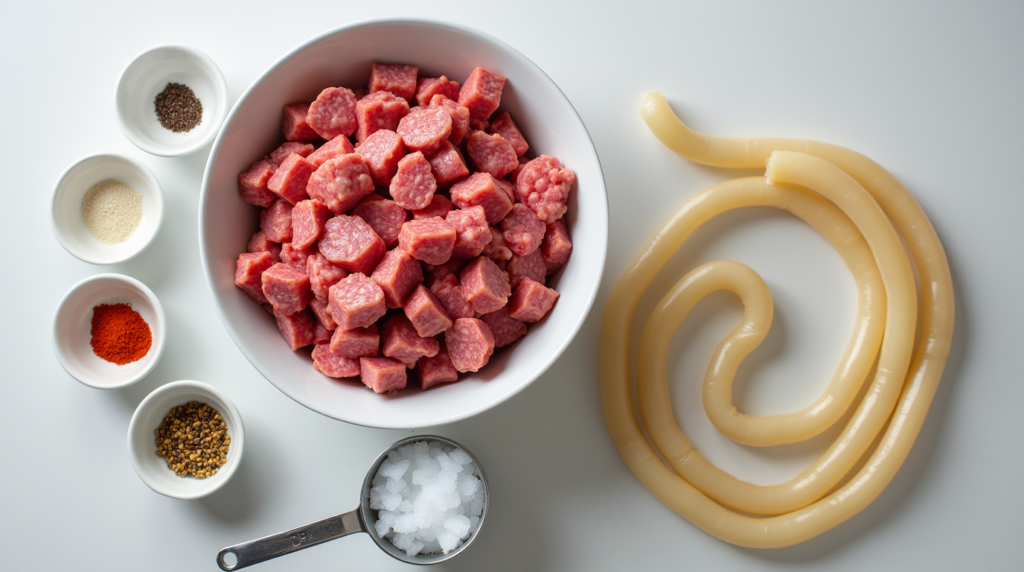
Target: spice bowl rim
{"points": [[60, 331], [152, 469], [204, 65], [63, 192]]}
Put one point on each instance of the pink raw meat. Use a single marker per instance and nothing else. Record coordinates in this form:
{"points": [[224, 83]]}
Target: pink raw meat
{"points": [[276, 221], [426, 313], [289, 180], [308, 220], [295, 257], [485, 286], [522, 230], [341, 182], [260, 243], [481, 189], [556, 247], [397, 275], [496, 249], [333, 365], [544, 185], [380, 110], [323, 274], [356, 302], [357, 342], [491, 153], [352, 244], [286, 288], [481, 93], [252, 184], [472, 232], [430, 240], [436, 370], [449, 293], [459, 115], [399, 79], [504, 328], [336, 147], [333, 113], [530, 266], [439, 206], [321, 334], [531, 301], [425, 128], [447, 164], [277, 156], [382, 375], [413, 185], [249, 273], [399, 340], [386, 217], [321, 308], [294, 124], [428, 87], [470, 344], [298, 329], [382, 151], [503, 125]]}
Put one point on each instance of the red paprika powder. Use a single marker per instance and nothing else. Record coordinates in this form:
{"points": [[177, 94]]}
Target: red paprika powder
{"points": [[119, 334]]}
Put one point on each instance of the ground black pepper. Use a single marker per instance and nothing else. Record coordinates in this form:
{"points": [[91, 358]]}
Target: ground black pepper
{"points": [[194, 440], [178, 108]]}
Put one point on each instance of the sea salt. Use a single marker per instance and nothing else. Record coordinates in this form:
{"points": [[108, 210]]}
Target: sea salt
{"points": [[428, 497]]}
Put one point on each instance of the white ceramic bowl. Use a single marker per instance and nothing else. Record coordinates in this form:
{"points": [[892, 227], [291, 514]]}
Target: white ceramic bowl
{"points": [[343, 57], [146, 76], [142, 441], [66, 208], [72, 325]]}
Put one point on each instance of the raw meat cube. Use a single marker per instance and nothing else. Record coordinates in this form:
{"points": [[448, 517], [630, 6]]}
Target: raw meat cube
{"points": [[252, 184], [459, 115], [308, 220], [428, 87], [286, 288], [544, 185], [333, 113], [556, 247], [386, 217], [485, 286], [333, 365], [298, 328], [470, 344], [430, 240], [356, 302], [413, 185], [397, 275], [336, 147], [294, 124], [295, 257], [399, 340], [382, 375], [399, 79], [289, 181], [341, 182], [260, 243], [276, 221], [425, 128], [472, 232], [379, 110], [504, 328], [449, 293], [437, 369], [496, 249], [447, 164], [352, 244], [481, 93], [522, 230], [382, 151], [321, 334], [503, 125], [357, 342], [439, 206], [426, 313], [491, 153], [277, 156], [249, 273], [481, 189], [321, 308], [531, 301], [530, 266], [439, 271], [322, 274]]}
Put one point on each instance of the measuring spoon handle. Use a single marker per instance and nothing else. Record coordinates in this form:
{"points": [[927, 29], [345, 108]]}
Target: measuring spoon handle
{"points": [[254, 551]]}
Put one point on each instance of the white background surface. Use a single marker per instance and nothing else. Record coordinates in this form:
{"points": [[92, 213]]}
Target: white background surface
{"points": [[932, 91]]}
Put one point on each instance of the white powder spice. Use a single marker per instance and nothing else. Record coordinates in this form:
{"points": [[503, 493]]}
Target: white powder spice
{"points": [[112, 211]]}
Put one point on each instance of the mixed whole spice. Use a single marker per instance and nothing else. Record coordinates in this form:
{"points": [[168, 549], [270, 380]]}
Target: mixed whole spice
{"points": [[194, 440]]}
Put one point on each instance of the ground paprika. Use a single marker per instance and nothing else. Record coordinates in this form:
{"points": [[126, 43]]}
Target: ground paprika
{"points": [[119, 334]]}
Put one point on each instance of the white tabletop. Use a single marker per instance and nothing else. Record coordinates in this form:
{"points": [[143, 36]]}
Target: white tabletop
{"points": [[932, 91]]}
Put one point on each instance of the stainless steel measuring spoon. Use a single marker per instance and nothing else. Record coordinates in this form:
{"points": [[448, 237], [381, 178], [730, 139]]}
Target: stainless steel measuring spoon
{"points": [[359, 520]]}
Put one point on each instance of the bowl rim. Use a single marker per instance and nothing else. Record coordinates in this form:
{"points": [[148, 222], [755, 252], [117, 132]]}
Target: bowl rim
{"points": [[237, 440], [80, 254], [156, 352], [591, 293], [221, 89]]}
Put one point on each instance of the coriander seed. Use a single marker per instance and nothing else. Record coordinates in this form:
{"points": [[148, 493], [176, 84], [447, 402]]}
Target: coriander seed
{"points": [[194, 440]]}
